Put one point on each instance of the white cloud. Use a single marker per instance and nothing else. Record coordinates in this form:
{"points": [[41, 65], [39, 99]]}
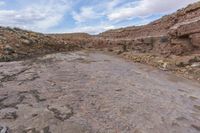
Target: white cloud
{"points": [[111, 4], [90, 29], [85, 14], [144, 8], [2, 3], [37, 16], [117, 11], [93, 12], [95, 17]]}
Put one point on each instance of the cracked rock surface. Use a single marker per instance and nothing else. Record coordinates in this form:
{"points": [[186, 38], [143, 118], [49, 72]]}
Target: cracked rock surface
{"points": [[92, 92]]}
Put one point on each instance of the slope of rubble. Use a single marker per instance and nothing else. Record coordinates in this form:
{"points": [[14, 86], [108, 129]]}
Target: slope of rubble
{"points": [[16, 43]]}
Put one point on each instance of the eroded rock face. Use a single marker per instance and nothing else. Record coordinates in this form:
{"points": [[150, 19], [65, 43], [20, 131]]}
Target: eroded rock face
{"points": [[195, 39], [17, 43], [180, 31], [188, 29]]}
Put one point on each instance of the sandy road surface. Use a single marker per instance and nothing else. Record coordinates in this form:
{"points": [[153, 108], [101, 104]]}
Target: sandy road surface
{"points": [[91, 92]]}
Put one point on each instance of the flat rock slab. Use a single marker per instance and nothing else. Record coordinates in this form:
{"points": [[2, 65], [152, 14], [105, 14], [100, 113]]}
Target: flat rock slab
{"points": [[92, 92]]}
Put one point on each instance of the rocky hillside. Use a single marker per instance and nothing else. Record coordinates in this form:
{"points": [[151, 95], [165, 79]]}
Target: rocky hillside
{"points": [[178, 33], [157, 28], [17, 43]]}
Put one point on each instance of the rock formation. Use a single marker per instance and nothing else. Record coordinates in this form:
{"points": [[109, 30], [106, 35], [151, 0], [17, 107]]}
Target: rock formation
{"points": [[178, 33]]}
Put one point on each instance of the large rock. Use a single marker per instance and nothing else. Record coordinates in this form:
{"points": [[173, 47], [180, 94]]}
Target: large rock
{"points": [[196, 64], [26, 41], [8, 113], [189, 28], [8, 49], [4, 129], [195, 39], [61, 112], [175, 41], [2, 38], [148, 40], [180, 46], [193, 7], [164, 39]]}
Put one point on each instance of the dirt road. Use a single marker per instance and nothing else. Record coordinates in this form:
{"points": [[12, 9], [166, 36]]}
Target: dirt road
{"points": [[91, 92]]}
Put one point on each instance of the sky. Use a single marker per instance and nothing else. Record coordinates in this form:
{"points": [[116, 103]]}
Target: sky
{"points": [[90, 16]]}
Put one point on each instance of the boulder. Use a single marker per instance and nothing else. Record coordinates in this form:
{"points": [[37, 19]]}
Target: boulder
{"points": [[8, 49], [26, 41], [164, 39], [4, 129], [180, 46], [188, 29], [8, 113], [2, 38], [195, 39], [175, 41], [196, 64], [148, 40], [182, 63], [193, 7], [61, 112], [187, 61], [17, 45]]}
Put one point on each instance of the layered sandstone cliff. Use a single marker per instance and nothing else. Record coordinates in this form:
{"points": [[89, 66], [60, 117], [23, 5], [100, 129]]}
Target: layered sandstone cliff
{"points": [[178, 33]]}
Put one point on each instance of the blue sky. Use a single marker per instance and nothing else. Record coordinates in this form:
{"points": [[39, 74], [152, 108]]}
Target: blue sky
{"points": [[91, 16]]}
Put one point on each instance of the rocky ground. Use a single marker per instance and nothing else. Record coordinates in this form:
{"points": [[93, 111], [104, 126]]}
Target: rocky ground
{"points": [[186, 66], [16, 44], [92, 92]]}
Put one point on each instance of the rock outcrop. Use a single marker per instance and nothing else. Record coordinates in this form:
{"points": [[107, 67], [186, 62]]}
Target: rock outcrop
{"points": [[178, 33], [17, 43]]}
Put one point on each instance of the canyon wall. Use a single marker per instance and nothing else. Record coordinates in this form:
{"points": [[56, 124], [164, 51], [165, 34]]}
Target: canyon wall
{"points": [[178, 33]]}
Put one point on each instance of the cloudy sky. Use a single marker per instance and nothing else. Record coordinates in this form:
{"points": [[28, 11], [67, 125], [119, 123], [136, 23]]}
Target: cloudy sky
{"points": [[91, 16]]}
